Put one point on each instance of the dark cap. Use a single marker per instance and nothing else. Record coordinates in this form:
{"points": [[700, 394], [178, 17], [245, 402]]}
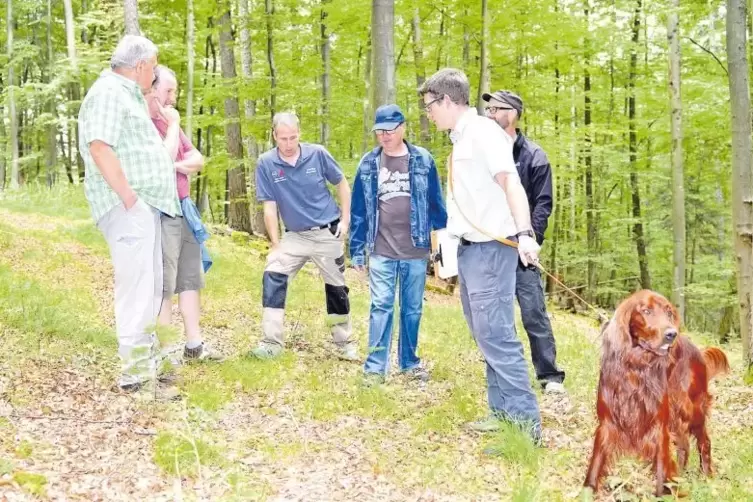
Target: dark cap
{"points": [[506, 97], [388, 118]]}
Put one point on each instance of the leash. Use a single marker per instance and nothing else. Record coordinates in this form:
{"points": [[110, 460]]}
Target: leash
{"points": [[507, 242]]}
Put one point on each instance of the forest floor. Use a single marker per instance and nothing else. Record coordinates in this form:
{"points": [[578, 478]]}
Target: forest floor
{"points": [[298, 428]]}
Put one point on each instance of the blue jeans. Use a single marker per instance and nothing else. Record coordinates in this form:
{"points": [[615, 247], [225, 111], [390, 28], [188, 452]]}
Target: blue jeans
{"points": [[383, 277], [487, 288]]}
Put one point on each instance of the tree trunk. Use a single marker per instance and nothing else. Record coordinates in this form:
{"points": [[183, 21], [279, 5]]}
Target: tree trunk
{"points": [[270, 11], [249, 105], [466, 41], [74, 86], [14, 168], [191, 58], [587, 158], [51, 109], [678, 185], [131, 13], [640, 240], [558, 193], [325, 52], [383, 44], [236, 199], [742, 150], [483, 79], [418, 59]]}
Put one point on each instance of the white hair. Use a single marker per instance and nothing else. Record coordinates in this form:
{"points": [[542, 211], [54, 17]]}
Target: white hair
{"points": [[131, 50], [289, 119]]}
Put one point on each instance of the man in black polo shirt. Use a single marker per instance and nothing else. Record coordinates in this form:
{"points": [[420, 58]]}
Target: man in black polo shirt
{"points": [[506, 108]]}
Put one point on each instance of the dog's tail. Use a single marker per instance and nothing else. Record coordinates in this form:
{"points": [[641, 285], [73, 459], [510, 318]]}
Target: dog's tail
{"points": [[716, 362]]}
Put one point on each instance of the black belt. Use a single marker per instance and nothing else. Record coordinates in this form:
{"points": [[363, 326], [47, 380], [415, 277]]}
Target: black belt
{"points": [[465, 242], [332, 223]]}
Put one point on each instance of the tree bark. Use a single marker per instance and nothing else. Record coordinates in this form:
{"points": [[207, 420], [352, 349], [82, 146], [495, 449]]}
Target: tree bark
{"points": [[236, 199], [131, 13], [383, 45], [483, 79], [638, 234], [51, 160], [742, 150], [587, 158], [325, 53], [249, 107], [191, 59], [418, 59], [14, 167], [678, 177], [74, 86], [270, 11]]}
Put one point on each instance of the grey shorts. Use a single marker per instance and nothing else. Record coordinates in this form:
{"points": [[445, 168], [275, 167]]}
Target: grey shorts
{"points": [[181, 257]]}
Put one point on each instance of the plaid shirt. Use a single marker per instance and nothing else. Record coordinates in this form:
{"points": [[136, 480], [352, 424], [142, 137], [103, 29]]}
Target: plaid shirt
{"points": [[114, 111]]}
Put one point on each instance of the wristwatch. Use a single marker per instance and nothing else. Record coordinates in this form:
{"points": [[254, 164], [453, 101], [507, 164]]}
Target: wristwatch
{"points": [[530, 233]]}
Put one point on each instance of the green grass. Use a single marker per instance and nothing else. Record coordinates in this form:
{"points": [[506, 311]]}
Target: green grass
{"points": [[184, 455], [306, 408], [35, 484]]}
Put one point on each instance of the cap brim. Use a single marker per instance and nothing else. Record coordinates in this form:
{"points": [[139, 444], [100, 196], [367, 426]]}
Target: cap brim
{"points": [[386, 126], [486, 96]]}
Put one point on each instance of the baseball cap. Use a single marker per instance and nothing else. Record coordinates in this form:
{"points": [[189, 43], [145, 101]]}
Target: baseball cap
{"points": [[388, 118], [506, 97]]}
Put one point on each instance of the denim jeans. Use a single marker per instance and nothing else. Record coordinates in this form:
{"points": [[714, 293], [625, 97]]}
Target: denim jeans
{"points": [[487, 289], [384, 274], [536, 323]]}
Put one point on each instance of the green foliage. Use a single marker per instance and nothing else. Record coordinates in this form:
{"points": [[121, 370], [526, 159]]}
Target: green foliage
{"points": [[179, 454], [541, 50]]}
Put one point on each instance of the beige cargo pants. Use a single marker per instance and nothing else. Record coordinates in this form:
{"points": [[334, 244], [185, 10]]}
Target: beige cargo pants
{"points": [[293, 252]]}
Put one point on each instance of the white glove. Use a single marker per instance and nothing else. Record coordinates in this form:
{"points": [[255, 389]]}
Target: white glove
{"points": [[528, 249]]}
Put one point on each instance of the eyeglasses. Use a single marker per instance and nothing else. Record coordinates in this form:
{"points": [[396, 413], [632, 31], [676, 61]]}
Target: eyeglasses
{"points": [[385, 131], [427, 106], [494, 109]]}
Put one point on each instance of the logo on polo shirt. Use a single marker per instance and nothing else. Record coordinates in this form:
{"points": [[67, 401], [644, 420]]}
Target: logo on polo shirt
{"points": [[311, 170], [278, 175]]}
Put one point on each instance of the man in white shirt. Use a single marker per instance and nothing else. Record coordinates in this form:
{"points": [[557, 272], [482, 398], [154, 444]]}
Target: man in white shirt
{"points": [[485, 201]]}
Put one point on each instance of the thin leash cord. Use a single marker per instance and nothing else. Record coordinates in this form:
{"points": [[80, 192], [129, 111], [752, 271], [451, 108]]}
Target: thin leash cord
{"points": [[513, 244]]}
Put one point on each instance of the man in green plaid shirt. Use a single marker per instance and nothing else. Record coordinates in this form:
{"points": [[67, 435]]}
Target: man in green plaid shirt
{"points": [[130, 180]]}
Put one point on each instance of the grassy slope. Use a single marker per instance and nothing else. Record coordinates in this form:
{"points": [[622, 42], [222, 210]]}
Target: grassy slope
{"points": [[297, 428]]}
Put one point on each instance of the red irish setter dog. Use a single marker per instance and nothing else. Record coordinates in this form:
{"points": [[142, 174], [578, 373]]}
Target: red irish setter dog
{"points": [[653, 390]]}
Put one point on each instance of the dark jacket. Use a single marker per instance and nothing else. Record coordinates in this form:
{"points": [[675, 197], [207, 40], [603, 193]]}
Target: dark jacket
{"points": [[536, 178]]}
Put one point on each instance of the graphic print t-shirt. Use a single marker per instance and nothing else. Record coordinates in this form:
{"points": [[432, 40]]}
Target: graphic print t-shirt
{"points": [[393, 239]]}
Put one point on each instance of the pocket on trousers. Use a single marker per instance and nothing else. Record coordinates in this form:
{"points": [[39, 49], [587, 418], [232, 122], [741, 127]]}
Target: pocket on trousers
{"points": [[492, 312]]}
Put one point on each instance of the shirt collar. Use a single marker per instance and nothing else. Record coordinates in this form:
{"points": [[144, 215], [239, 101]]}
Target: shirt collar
{"points": [[465, 118], [125, 82]]}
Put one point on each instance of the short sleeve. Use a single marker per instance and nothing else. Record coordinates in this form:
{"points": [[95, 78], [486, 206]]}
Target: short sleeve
{"points": [[331, 168], [263, 185], [496, 147], [103, 118]]}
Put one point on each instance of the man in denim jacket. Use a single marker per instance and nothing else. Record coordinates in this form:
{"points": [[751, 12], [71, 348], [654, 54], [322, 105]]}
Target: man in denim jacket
{"points": [[397, 201]]}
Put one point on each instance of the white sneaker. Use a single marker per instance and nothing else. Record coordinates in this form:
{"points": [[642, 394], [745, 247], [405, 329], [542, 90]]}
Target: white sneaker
{"points": [[349, 352], [554, 388]]}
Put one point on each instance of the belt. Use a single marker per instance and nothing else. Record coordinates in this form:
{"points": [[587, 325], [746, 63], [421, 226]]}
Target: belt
{"points": [[466, 242], [320, 227]]}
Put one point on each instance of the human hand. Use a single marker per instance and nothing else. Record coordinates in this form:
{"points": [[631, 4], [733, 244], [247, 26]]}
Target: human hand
{"points": [[169, 113], [342, 229], [130, 200], [528, 249]]}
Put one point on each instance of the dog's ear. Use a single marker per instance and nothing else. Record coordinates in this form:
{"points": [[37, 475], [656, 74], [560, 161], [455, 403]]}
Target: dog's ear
{"points": [[616, 333]]}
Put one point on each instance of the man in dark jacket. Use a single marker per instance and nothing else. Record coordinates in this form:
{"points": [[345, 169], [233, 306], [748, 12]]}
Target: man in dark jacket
{"points": [[506, 108]]}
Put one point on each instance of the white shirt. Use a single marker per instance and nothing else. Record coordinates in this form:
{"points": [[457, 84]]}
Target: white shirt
{"points": [[481, 149]]}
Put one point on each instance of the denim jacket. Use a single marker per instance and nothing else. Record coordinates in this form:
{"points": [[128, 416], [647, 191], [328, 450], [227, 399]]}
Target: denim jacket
{"points": [[193, 219], [427, 207]]}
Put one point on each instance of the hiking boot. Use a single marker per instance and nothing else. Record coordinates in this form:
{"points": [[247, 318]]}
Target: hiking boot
{"points": [[348, 352], [488, 424], [266, 351], [372, 379], [201, 353], [418, 373], [554, 388]]}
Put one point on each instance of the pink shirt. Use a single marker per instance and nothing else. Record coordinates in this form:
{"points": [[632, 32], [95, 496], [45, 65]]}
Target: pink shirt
{"points": [[184, 146]]}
